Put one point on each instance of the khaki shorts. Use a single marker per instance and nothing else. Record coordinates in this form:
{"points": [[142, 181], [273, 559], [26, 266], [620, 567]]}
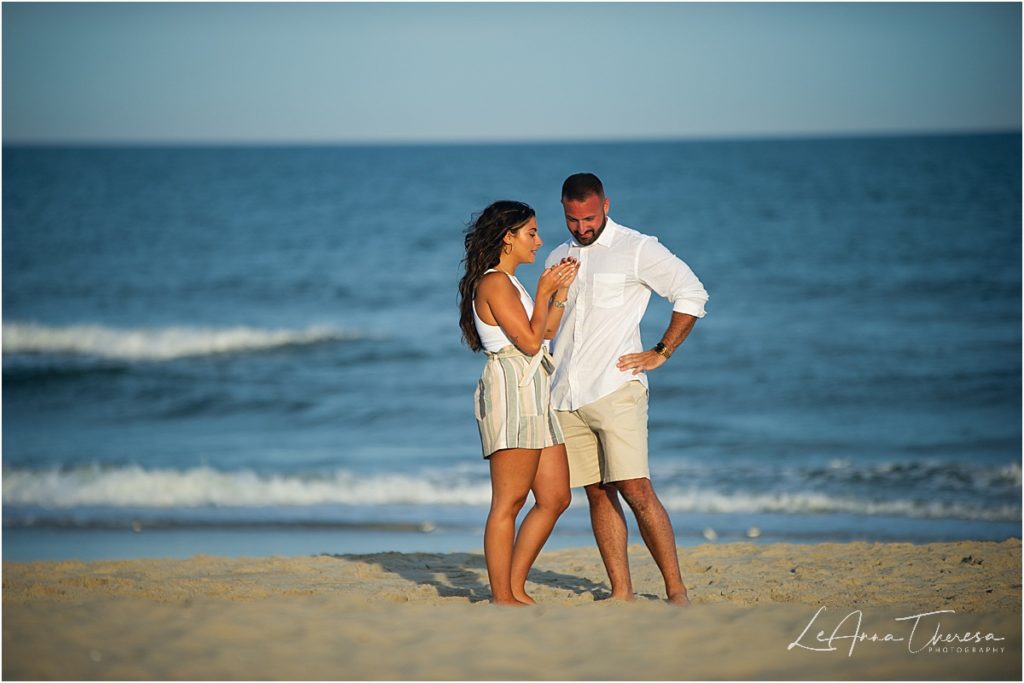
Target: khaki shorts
{"points": [[607, 440]]}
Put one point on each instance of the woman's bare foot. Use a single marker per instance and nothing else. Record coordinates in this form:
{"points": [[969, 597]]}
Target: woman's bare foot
{"points": [[524, 598], [679, 599], [509, 603]]}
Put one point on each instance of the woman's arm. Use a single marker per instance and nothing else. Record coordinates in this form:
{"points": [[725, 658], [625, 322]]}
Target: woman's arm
{"points": [[555, 314], [559, 297], [498, 295]]}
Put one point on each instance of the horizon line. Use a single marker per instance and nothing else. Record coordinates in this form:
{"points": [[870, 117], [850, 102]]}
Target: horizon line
{"points": [[482, 142]]}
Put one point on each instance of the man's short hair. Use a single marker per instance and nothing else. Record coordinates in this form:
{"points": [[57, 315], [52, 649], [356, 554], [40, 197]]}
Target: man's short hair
{"points": [[579, 186]]}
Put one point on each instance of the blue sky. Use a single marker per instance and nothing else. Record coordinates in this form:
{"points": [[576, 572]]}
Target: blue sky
{"points": [[387, 72]]}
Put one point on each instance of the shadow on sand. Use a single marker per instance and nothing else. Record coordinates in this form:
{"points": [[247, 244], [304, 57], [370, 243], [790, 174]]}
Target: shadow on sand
{"points": [[464, 575]]}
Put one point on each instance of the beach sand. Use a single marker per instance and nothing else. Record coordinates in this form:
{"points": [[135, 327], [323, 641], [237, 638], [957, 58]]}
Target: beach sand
{"points": [[425, 616]]}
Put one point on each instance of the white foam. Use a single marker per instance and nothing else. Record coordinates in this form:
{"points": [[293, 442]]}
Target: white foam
{"points": [[1011, 472], [811, 502], [141, 344], [205, 486]]}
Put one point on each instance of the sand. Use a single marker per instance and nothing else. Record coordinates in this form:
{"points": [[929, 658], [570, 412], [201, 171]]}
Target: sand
{"points": [[757, 611]]}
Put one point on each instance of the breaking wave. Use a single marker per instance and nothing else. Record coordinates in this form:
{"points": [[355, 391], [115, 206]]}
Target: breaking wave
{"points": [[151, 344], [135, 486]]}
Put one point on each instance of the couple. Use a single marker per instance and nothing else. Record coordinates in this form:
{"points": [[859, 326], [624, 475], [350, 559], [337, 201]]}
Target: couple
{"points": [[579, 418]]}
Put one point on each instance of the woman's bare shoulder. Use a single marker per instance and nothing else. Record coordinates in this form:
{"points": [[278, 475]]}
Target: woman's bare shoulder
{"points": [[494, 283]]}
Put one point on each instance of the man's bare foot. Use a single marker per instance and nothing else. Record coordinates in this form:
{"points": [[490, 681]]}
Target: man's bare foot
{"points": [[679, 599], [623, 597]]}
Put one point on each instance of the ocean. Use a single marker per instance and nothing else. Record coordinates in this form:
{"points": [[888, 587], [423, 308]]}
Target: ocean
{"points": [[255, 350]]}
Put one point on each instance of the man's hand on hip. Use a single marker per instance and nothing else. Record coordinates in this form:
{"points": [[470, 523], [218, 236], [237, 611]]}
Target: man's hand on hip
{"points": [[678, 330], [640, 362]]}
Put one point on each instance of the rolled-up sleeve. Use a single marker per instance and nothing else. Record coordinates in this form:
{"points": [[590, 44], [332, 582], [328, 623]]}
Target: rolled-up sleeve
{"points": [[668, 276]]}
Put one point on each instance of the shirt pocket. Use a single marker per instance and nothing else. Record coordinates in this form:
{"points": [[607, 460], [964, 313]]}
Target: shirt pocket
{"points": [[609, 290]]}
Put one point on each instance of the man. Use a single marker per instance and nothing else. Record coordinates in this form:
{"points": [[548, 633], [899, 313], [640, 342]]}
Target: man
{"points": [[599, 388]]}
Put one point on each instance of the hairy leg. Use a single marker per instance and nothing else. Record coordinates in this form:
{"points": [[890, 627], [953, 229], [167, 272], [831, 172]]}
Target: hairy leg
{"points": [[609, 524], [552, 497], [512, 472], [656, 530]]}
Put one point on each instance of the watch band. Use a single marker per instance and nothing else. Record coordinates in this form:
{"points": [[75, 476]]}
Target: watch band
{"points": [[662, 349]]}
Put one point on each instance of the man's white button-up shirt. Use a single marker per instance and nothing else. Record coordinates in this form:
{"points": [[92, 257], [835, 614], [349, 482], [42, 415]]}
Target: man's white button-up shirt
{"points": [[606, 302]]}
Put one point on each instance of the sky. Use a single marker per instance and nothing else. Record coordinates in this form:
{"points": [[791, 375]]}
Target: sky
{"points": [[496, 72]]}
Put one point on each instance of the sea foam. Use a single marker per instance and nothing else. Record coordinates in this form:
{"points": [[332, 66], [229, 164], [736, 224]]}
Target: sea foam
{"points": [[204, 486], [153, 344]]}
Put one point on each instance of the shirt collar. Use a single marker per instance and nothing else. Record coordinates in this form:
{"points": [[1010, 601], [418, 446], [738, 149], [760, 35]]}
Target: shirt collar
{"points": [[608, 234]]}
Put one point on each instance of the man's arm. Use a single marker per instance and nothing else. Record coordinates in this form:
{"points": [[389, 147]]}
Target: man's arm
{"points": [[678, 330], [671, 278]]}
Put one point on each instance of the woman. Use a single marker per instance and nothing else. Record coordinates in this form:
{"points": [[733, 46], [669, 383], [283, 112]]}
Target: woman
{"points": [[519, 431]]}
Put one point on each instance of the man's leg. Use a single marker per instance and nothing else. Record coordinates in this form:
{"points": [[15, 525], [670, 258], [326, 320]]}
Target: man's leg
{"points": [[656, 530], [620, 421], [606, 516], [609, 524]]}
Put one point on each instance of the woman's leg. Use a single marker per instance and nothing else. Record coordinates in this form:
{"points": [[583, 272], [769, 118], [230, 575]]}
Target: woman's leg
{"points": [[551, 493], [512, 473]]}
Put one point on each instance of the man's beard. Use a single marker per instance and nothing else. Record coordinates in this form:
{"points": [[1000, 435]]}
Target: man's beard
{"points": [[597, 233]]}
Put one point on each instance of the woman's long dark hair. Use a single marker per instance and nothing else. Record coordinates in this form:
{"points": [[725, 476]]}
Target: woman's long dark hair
{"points": [[484, 241]]}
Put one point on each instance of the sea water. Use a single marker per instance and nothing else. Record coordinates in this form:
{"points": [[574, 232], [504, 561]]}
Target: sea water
{"points": [[255, 350]]}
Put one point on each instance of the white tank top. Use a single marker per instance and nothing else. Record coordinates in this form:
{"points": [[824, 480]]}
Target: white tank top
{"points": [[491, 336]]}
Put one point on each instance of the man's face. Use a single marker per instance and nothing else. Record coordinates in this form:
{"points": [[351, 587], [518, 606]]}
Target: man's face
{"points": [[586, 219]]}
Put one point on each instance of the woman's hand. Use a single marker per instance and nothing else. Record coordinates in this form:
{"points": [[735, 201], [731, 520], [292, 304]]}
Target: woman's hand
{"points": [[555, 278], [563, 290]]}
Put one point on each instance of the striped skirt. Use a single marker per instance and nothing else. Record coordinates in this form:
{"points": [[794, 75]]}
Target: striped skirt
{"points": [[513, 402]]}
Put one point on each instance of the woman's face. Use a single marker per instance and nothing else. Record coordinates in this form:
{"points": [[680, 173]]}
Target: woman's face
{"points": [[525, 242]]}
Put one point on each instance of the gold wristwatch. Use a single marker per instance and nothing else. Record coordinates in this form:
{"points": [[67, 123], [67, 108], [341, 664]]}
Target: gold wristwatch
{"points": [[662, 349]]}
